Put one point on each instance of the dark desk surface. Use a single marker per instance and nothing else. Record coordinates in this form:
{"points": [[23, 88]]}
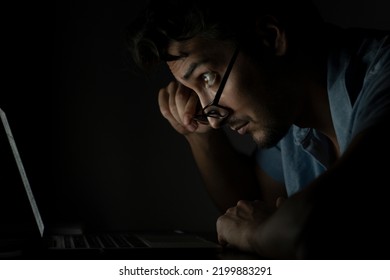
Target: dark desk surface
{"points": [[39, 252], [157, 254]]}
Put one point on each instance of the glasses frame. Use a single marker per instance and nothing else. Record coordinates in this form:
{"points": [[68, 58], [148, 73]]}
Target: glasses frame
{"points": [[203, 117]]}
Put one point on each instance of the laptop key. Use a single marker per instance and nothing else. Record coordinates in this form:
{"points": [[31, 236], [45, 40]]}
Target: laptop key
{"points": [[79, 241], [93, 241], [68, 242], [120, 241], [107, 242], [52, 242], [135, 241]]}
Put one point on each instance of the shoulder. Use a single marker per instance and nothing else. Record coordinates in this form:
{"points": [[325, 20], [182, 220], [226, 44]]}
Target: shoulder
{"points": [[356, 56], [358, 79], [347, 43]]}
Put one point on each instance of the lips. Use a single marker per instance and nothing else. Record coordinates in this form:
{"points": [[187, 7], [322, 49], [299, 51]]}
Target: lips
{"points": [[240, 128]]}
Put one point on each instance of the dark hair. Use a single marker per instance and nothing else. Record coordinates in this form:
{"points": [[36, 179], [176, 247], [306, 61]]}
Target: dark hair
{"points": [[162, 22]]}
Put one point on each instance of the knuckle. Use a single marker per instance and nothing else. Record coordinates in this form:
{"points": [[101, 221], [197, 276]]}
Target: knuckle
{"points": [[230, 210], [242, 203]]}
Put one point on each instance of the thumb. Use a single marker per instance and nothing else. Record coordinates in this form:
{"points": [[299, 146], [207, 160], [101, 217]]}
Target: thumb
{"points": [[279, 201]]}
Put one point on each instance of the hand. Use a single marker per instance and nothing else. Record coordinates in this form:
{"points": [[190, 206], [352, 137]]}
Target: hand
{"points": [[279, 201], [178, 104], [240, 225]]}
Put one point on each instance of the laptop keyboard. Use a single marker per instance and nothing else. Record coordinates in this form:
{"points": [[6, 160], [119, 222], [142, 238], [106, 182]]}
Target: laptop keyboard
{"points": [[94, 241]]}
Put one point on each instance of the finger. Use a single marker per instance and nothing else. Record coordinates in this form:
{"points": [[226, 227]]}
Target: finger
{"points": [[164, 102], [190, 110], [222, 241], [244, 207], [220, 235], [165, 109], [186, 102], [163, 97], [279, 201], [172, 90], [241, 210], [244, 204]]}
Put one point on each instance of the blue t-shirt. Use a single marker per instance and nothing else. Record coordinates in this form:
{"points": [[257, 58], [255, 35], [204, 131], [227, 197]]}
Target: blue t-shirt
{"points": [[358, 86]]}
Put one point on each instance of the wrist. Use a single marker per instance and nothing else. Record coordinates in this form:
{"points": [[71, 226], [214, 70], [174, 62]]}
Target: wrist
{"points": [[203, 138]]}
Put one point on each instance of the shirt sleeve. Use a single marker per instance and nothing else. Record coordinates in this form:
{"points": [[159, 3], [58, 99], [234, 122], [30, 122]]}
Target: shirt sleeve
{"points": [[373, 104]]}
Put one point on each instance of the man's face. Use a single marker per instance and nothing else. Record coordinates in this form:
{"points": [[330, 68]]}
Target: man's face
{"points": [[258, 95]]}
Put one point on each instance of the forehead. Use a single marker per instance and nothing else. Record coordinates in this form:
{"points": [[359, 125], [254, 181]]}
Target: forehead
{"points": [[200, 48]]}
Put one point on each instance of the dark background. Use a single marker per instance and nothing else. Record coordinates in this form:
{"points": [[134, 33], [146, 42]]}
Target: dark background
{"points": [[90, 133]]}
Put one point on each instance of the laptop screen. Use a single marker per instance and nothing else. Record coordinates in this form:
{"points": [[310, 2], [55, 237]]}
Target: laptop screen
{"points": [[18, 208]]}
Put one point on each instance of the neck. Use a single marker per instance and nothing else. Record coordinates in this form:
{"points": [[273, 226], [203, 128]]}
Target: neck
{"points": [[315, 111]]}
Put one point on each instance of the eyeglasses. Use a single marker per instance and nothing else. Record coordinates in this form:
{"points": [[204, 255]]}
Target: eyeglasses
{"points": [[213, 110]]}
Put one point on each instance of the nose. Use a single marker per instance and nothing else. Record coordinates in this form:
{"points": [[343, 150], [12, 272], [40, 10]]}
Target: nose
{"points": [[214, 122]]}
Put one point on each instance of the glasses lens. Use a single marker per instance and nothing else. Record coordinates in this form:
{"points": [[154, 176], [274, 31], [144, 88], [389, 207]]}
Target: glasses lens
{"points": [[216, 112], [201, 119], [213, 111]]}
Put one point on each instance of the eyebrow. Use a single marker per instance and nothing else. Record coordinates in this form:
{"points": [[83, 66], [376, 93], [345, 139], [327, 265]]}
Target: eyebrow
{"points": [[190, 70], [193, 66], [183, 55]]}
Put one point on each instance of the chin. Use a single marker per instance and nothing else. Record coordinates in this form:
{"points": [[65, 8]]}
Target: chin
{"points": [[268, 138], [260, 139], [263, 143]]}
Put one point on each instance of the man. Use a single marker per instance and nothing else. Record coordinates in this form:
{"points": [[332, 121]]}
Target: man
{"points": [[314, 97]]}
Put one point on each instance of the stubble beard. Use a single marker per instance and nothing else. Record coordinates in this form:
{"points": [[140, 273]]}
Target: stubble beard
{"points": [[268, 137]]}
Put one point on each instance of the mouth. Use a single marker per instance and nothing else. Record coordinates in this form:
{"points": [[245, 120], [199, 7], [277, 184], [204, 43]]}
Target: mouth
{"points": [[241, 128]]}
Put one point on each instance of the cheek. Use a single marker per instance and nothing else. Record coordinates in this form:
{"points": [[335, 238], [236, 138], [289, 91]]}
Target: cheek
{"points": [[249, 91]]}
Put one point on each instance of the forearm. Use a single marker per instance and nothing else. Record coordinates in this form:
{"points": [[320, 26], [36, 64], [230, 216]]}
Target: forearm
{"points": [[313, 222], [280, 236], [341, 214], [228, 175]]}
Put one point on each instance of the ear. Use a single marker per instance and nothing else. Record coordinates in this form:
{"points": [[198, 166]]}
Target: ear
{"points": [[273, 34]]}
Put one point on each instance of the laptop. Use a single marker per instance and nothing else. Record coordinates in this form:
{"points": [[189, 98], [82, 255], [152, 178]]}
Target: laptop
{"points": [[24, 234]]}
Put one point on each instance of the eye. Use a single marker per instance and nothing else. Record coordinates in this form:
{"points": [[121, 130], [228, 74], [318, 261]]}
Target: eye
{"points": [[213, 113], [209, 79]]}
